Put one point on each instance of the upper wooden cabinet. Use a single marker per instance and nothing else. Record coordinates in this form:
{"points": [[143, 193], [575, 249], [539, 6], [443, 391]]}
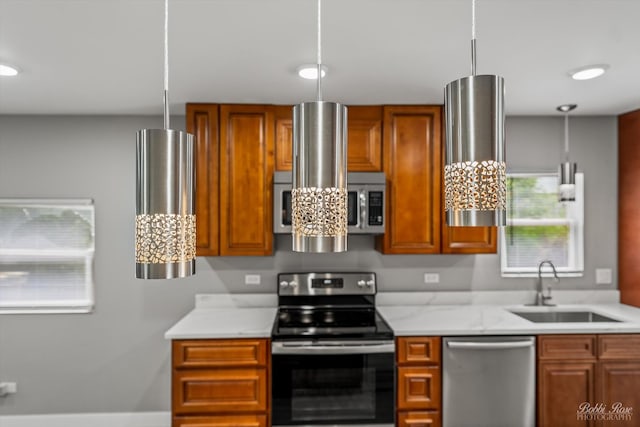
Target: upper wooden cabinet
{"points": [[469, 240], [412, 162], [364, 128], [202, 121], [234, 178], [238, 147]]}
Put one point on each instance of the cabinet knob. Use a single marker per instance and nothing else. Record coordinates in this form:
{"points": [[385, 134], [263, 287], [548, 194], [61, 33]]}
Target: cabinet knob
{"points": [[284, 284]]}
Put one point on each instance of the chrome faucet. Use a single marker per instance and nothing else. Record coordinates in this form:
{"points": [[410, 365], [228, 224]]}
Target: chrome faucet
{"points": [[542, 299]]}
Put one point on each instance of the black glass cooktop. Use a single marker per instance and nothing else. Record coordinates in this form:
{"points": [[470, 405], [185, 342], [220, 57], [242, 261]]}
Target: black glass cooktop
{"points": [[330, 322]]}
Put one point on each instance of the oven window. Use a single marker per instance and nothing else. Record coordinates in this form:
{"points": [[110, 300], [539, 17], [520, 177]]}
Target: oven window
{"points": [[332, 389]]}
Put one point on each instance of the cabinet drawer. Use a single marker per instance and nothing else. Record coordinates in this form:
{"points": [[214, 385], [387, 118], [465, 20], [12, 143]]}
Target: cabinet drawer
{"points": [[418, 350], [619, 346], [419, 388], [219, 353], [419, 419], [222, 421], [219, 391], [558, 347]]}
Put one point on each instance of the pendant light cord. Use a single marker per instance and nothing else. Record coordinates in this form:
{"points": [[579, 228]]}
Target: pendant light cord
{"points": [[566, 136], [319, 88], [166, 64], [473, 37]]}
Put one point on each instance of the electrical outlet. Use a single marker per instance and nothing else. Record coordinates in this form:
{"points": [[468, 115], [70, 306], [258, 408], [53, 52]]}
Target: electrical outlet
{"points": [[8, 388], [603, 276], [252, 279], [431, 277]]}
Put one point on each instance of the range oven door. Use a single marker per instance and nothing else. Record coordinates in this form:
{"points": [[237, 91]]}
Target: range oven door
{"points": [[336, 384]]}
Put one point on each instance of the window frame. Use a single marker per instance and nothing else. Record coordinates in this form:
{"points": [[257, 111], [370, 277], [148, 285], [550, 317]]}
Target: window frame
{"points": [[25, 256], [576, 250]]}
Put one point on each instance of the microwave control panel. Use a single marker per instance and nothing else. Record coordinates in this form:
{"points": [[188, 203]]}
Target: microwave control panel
{"points": [[375, 208]]}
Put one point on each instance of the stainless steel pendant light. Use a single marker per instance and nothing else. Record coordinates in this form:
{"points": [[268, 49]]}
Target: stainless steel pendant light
{"points": [[165, 199], [319, 193], [567, 170], [475, 168]]}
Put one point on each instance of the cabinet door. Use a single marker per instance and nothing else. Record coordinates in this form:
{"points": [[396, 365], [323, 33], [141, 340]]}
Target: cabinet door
{"points": [[201, 391], [469, 240], [418, 350], [562, 387], [412, 162], [246, 179], [419, 388], [419, 419], [284, 137], [618, 388], [202, 121], [364, 149], [364, 129], [221, 421]]}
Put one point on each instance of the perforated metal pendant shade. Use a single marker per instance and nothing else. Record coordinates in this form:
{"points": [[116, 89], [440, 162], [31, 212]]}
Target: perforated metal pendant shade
{"points": [[475, 168], [319, 192], [165, 246]]}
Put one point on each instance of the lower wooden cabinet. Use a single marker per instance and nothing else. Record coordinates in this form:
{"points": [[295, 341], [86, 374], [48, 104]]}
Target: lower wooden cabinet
{"points": [[419, 419], [419, 381], [222, 421], [221, 383], [598, 371]]}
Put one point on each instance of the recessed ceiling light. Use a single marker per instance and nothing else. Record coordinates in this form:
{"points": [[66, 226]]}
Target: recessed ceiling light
{"points": [[588, 72], [310, 71], [8, 70]]}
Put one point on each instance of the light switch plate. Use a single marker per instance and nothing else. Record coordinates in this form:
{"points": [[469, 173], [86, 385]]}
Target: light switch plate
{"points": [[251, 279], [603, 276], [431, 277]]}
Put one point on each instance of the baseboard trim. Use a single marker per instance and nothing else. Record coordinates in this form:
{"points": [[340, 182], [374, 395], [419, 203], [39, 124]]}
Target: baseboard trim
{"points": [[110, 419]]}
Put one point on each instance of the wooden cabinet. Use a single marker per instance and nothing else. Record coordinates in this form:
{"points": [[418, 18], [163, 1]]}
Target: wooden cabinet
{"points": [[412, 162], [364, 130], [566, 378], [234, 178], [202, 121], [628, 207], [618, 376], [597, 369], [419, 381], [220, 382], [469, 240]]}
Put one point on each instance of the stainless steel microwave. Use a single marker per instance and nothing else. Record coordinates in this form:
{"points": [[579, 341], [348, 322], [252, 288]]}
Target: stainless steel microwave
{"points": [[366, 202]]}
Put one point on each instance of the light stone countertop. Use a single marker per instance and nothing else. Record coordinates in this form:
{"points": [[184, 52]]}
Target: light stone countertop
{"points": [[415, 313]]}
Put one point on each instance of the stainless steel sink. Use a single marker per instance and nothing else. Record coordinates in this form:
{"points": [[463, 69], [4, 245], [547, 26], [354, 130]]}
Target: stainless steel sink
{"points": [[557, 316]]}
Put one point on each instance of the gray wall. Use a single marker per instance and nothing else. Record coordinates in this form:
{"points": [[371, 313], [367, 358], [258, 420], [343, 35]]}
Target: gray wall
{"points": [[116, 359]]}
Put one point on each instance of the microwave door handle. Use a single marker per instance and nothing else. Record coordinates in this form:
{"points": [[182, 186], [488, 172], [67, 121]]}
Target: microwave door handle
{"points": [[363, 208]]}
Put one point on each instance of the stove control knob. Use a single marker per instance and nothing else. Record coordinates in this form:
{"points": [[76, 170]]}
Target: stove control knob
{"points": [[284, 284], [361, 283], [370, 283], [293, 284]]}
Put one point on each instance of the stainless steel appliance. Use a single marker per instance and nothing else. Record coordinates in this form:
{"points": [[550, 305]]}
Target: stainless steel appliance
{"points": [[366, 201], [333, 355], [488, 381]]}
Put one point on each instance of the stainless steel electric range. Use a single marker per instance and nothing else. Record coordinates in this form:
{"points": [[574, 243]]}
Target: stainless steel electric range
{"points": [[333, 355]]}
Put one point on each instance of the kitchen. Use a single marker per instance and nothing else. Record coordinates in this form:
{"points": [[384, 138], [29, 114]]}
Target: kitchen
{"points": [[121, 346]]}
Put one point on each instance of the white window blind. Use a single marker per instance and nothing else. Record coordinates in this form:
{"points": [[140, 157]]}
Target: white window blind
{"points": [[539, 227], [46, 255]]}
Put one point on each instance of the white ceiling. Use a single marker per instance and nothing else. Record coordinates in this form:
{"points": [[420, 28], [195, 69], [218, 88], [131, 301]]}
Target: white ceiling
{"points": [[105, 56]]}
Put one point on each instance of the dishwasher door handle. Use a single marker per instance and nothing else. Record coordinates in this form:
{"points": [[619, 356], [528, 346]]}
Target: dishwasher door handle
{"points": [[483, 345]]}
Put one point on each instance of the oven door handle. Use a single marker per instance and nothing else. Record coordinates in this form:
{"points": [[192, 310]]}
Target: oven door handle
{"points": [[332, 348]]}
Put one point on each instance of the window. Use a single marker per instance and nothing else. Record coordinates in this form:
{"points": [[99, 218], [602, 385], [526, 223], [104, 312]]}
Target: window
{"points": [[539, 227], [46, 256]]}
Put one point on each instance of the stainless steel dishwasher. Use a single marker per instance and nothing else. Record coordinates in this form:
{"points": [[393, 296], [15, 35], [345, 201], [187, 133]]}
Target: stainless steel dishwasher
{"points": [[489, 381]]}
